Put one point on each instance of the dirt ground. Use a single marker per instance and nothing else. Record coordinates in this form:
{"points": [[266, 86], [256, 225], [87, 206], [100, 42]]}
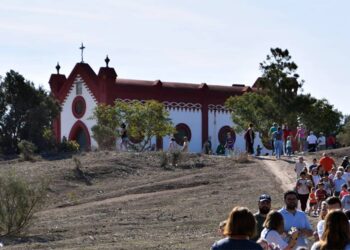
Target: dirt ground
{"points": [[134, 203]]}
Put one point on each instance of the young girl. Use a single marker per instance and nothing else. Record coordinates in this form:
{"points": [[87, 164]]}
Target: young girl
{"points": [[312, 202]]}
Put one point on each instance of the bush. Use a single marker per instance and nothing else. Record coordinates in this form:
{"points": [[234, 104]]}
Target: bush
{"points": [[26, 150], [163, 159], [104, 136], [18, 201], [69, 146], [175, 157]]}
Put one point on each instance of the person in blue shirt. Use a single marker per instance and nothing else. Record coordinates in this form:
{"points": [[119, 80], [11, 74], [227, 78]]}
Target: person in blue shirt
{"points": [[295, 219], [240, 227]]}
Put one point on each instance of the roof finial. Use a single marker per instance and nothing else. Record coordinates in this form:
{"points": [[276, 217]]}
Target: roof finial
{"points": [[82, 51], [107, 61], [58, 68]]}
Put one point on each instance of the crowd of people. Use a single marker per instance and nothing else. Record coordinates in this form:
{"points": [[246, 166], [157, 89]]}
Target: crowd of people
{"points": [[321, 188]]}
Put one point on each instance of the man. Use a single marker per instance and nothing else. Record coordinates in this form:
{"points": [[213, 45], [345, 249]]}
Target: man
{"points": [[271, 131], [249, 137], [264, 205], [277, 136], [332, 204], [312, 142], [295, 218], [321, 142], [327, 163], [338, 182]]}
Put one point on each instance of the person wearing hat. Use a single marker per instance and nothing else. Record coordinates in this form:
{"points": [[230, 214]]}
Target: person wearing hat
{"points": [[264, 205], [321, 142]]}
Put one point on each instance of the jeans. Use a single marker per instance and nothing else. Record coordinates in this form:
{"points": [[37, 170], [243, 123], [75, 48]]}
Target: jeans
{"points": [[278, 148]]}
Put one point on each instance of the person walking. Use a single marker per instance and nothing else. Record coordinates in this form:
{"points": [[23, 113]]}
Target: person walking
{"points": [[300, 137], [277, 136], [273, 230], [272, 130], [264, 205], [240, 227], [321, 142], [303, 187], [312, 142], [294, 218], [249, 137], [336, 232]]}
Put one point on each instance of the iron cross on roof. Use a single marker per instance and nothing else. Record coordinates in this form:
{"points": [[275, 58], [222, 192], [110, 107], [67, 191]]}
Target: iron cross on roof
{"points": [[82, 47]]}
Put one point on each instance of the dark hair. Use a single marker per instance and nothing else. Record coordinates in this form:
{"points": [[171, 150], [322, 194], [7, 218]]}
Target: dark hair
{"points": [[336, 231], [274, 220], [240, 222], [344, 185], [333, 200], [290, 192]]}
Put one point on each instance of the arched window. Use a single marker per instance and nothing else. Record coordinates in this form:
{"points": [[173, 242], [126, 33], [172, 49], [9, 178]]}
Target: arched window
{"points": [[182, 130], [79, 107], [222, 136]]}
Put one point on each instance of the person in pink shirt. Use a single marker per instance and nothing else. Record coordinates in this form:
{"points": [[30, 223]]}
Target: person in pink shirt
{"points": [[344, 191], [301, 137]]}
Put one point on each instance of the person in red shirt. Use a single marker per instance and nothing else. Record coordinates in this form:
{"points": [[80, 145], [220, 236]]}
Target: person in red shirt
{"points": [[327, 163], [312, 202], [344, 191]]}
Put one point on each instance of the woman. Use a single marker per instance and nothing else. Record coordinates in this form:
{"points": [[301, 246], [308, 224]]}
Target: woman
{"points": [[273, 228], [240, 227], [303, 186], [336, 232]]}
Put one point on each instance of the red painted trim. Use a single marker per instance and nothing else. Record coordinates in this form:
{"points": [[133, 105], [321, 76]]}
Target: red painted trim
{"points": [[74, 103], [56, 126], [75, 129]]}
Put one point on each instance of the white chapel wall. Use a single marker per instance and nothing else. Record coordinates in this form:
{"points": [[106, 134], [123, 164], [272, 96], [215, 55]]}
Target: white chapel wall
{"points": [[219, 119], [67, 117], [193, 119]]}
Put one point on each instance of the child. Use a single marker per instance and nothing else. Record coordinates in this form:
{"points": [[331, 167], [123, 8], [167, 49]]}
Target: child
{"points": [[312, 202], [258, 150], [289, 145], [321, 195], [344, 191]]}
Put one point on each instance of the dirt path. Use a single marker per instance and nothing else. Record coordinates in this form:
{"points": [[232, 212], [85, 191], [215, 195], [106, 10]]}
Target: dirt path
{"points": [[283, 170]]}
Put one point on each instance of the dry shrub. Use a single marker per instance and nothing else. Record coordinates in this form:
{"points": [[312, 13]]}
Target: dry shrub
{"points": [[241, 157], [18, 201]]}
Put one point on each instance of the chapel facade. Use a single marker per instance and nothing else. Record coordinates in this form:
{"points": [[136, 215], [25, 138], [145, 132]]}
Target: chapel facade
{"points": [[196, 110]]}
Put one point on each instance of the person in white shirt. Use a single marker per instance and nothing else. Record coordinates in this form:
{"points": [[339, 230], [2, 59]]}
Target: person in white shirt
{"points": [[273, 230], [299, 166], [312, 142], [321, 142], [333, 203]]}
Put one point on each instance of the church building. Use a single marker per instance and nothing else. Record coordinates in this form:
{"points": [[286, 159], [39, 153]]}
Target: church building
{"points": [[196, 110]]}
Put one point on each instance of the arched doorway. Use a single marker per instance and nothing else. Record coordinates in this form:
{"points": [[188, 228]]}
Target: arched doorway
{"points": [[81, 135]]}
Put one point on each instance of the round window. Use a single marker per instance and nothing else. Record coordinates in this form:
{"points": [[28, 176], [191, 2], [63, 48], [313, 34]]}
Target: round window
{"points": [[182, 130], [78, 107], [223, 134]]}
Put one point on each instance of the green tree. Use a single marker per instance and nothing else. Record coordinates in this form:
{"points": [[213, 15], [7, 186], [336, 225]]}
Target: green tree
{"points": [[344, 136], [24, 112], [145, 120], [280, 81], [107, 121], [320, 116]]}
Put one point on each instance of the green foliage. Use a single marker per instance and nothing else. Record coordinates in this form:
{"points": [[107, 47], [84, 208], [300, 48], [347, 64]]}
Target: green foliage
{"points": [[277, 100], [145, 120], [252, 108], [24, 112], [18, 201], [344, 136], [26, 150], [320, 116], [105, 130], [69, 146]]}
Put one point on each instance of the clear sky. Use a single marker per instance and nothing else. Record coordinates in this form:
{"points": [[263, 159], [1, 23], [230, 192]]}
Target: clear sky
{"points": [[195, 41]]}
